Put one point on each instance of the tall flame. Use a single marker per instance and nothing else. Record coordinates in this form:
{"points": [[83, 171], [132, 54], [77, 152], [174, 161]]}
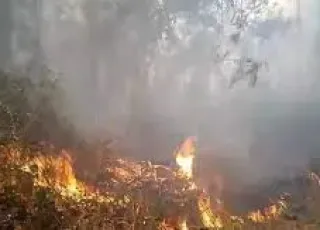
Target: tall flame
{"points": [[208, 218], [185, 156], [184, 159]]}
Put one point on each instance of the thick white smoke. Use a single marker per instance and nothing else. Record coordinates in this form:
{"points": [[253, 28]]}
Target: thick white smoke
{"points": [[151, 78]]}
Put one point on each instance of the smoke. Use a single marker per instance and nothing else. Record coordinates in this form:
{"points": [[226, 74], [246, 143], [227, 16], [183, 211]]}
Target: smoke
{"points": [[150, 81]]}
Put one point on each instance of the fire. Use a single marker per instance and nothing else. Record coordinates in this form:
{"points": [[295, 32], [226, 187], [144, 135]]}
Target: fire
{"points": [[183, 224], [208, 219], [271, 212], [184, 159], [174, 224], [185, 156], [56, 172]]}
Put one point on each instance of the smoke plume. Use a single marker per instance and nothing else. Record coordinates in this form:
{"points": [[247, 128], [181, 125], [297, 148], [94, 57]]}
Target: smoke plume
{"points": [[152, 73]]}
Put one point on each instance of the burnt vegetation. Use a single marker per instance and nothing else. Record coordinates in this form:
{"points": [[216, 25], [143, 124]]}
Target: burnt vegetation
{"points": [[40, 186]]}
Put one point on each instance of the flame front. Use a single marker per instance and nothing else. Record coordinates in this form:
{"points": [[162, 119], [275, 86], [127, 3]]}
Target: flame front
{"points": [[185, 156], [56, 172]]}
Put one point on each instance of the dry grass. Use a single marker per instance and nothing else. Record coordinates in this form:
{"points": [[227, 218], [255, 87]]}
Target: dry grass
{"points": [[38, 191], [126, 200]]}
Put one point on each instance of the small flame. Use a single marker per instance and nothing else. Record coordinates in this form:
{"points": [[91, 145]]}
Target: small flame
{"points": [[271, 212], [183, 225], [185, 156]]}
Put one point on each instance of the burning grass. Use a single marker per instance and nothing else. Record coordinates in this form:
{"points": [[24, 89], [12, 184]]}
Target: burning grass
{"points": [[41, 191], [40, 187]]}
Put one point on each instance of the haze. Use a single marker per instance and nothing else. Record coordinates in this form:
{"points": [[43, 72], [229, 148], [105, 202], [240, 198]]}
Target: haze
{"points": [[150, 73]]}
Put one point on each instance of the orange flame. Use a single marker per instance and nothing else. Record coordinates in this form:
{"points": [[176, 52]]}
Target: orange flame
{"points": [[185, 156], [271, 212], [56, 172], [208, 218], [184, 159], [183, 225]]}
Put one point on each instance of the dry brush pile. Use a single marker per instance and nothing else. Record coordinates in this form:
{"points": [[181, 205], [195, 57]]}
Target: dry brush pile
{"points": [[40, 191]]}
